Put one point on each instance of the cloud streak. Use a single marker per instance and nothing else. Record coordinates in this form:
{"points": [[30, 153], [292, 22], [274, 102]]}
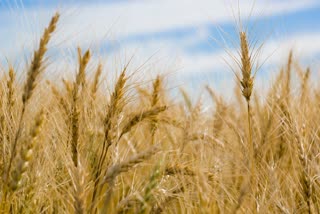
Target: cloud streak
{"points": [[127, 18], [99, 23]]}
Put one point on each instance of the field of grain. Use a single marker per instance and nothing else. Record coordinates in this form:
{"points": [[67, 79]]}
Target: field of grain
{"points": [[75, 147]]}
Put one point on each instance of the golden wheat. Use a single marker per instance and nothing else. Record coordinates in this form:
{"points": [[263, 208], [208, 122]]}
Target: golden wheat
{"points": [[137, 150]]}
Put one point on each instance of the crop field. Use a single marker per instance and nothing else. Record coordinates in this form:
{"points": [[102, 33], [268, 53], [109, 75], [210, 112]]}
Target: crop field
{"points": [[79, 146]]}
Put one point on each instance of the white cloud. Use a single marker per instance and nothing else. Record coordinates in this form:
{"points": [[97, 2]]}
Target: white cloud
{"points": [[139, 17], [89, 23], [304, 45], [274, 53]]}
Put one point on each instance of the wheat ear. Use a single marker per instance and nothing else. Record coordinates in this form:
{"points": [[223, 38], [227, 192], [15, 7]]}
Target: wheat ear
{"points": [[27, 154], [140, 117], [95, 84], [37, 61], [10, 86], [157, 84], [80, 81], [117, 169], [61, 99]]}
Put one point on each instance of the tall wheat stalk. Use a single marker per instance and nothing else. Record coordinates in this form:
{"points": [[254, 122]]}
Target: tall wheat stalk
{"points": [[80, 82], [115, 107], [35, 69], [247, 87]]}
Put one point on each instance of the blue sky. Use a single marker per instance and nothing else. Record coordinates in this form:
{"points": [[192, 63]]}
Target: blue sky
{"points": [[186, 38]]}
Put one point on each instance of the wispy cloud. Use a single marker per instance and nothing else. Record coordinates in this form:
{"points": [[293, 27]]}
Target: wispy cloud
{"points": [[125, 25], [127, 18]]}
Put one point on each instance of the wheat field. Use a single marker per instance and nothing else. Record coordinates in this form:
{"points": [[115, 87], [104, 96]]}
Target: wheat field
{"points": [[75, 147]]}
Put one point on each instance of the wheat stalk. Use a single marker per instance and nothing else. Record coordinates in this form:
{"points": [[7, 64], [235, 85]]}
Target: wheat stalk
{"points": [[115, 106], [33, 72], [247, 86], [148, 196], [80, 81]]}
